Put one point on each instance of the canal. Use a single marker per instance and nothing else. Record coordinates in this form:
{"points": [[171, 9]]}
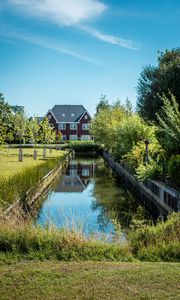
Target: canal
{"points": [[89, 197]]}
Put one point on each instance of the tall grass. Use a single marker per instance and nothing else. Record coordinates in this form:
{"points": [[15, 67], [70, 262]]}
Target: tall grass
{"points": [[160, 242], [12, 188], [52, 243]]}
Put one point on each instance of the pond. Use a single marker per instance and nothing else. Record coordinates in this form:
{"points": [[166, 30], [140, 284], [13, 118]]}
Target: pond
{"points": [[91, 198]]}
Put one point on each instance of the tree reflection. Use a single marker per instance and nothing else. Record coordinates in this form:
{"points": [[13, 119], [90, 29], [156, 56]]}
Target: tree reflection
{"points": [[113, 200]]}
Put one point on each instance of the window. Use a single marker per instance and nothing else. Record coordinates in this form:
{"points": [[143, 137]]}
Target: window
{"points": [[85, 137], [64, 137], [62, 126], [85, 126], [73, 126], [73, 137], [63, 115], [85, 172], [72, 115], [49, 117], [85, 117]]}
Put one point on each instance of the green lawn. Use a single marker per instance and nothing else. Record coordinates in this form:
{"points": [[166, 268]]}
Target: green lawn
{"points": [[9, 164], [89, 280]]}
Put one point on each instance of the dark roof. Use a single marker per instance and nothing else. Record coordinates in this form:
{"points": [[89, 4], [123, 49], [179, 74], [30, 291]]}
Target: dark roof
{"points": [[72, 113]]}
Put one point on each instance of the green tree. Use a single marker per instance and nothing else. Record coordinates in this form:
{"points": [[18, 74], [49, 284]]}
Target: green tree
{"points": [[20, 129], [47, 134], [104, 126], [33, 132], [156, 81], [169, 124], [103, 103], [5, 119]]}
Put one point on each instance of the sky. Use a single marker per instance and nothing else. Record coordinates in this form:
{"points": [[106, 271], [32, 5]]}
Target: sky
{"points": [[74, 51]]}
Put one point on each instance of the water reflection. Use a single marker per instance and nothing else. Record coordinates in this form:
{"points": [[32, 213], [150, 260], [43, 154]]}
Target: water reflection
{"points": [[88, 197]]}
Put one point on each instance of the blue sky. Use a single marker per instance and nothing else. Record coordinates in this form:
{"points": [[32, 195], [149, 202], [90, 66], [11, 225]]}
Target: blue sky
{"points": [[72, 51]]}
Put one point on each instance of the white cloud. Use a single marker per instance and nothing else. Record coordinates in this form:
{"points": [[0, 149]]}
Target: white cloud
{"points": [[8, 32], [70, 13], [109, 38], [67, 12]]}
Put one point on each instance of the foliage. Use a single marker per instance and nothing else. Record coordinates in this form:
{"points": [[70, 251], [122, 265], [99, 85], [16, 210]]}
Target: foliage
{"points": [[104, 126], [160, 242], [169, 124], [20, 126], [5, 119], [130, 131], [156, 81], [174, 170], [103, 104], [33, 130], [47, 134], [85, 147], [150, 170]]}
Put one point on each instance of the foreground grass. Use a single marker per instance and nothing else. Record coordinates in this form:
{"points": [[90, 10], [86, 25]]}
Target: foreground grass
{"points": [[10, 166], [89, 280]]}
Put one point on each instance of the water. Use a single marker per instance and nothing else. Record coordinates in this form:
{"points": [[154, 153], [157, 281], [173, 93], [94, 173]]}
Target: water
{"points": [[89, 198]]}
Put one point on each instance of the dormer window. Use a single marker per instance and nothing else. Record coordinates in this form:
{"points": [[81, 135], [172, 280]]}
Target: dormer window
{"points": [[72, 115], [63, 115]]}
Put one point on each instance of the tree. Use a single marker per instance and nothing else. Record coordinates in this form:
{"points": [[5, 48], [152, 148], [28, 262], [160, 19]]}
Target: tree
{"points": [[156, 81], [169, 125], [20, 129], [103, 103], [104, 126], [33, 131], [5, 119], [47, 134]]}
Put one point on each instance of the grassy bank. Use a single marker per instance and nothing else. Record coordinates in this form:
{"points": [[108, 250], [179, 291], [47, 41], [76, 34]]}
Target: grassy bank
{"points": [[89, 280], [17, 177]]}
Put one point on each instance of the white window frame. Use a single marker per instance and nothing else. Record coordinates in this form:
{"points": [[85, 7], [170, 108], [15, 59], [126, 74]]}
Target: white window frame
{"points": [[62, 126], [73, 126], [85, 117], [85, 137], [73, 137], [85, 126]]}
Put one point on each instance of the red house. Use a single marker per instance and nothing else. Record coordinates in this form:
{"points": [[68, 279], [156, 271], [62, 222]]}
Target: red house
{"points": [[72, 121]]}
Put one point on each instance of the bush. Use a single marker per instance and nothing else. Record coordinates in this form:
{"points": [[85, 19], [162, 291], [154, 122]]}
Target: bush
{"points": [[160, 242], [174, 170], [83, 147]]}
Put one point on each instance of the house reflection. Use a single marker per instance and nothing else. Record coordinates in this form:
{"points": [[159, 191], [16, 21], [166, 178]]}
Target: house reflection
{"points": [[77, 178]]}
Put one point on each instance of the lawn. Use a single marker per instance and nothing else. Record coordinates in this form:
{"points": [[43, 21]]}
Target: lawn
{"points": [[89, 280], [18, 177], [9, 164]]}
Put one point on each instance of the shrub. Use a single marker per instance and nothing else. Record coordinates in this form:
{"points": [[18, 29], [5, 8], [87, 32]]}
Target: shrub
{"points": [[160, 242]]}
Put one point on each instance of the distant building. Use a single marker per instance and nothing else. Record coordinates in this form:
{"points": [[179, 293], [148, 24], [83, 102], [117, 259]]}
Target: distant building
{"points": [[72, 121]]}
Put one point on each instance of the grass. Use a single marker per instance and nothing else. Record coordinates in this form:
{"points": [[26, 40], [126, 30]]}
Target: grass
{"points": [[18, 177], [89, 280], [10, 166], [51, 243]]}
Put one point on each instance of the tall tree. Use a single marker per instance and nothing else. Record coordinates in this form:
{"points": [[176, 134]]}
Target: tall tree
{"points": [[156, 81], [5, 119]]}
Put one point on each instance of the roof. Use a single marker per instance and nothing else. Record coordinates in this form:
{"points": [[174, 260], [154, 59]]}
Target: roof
{"points": [[68, 113]]}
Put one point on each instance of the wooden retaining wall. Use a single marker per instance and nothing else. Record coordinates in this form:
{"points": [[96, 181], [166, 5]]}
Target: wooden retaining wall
{"points": [[26, 207], [159, 199]]}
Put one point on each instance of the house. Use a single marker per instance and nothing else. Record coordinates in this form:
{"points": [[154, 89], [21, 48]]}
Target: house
{"points": [[72, 121]]}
